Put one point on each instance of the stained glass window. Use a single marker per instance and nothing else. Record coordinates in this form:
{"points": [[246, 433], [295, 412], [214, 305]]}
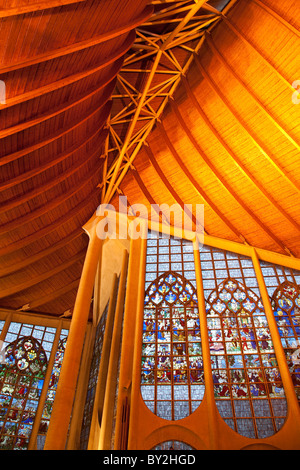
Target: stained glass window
{"points": [[89, 403], [172, 380], [27, 349], [22, 378], [283, 287], [47, 410], [247, 384]]}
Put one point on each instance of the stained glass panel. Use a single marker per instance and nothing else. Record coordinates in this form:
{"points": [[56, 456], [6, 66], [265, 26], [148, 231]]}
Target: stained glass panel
{"points": [[248, 388], [172, 380], [283, 287]]}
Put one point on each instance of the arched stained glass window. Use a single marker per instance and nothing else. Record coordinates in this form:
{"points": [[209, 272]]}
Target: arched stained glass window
{"points": [[283, 287], [21, 380], [286, 306], [248, 388], [172, 382]]}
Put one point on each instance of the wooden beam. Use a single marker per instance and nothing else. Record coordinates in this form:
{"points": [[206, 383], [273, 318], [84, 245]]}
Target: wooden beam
{"points": [[195, 184], [35, 7], [236, 160], [224, 183], [259, 144], [75, 47], [71, 78], [278, 17], [30, 282], [58, 134], [52, 162], [45, 299]]}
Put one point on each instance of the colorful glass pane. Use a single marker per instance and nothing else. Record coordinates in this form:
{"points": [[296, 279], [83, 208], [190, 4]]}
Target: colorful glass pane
{"points": [[21, 381], [247, 384], [172, 378]]}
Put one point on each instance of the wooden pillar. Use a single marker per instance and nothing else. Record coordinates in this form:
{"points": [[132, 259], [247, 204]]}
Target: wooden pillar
{"points": [[209, 386], [62, 408], [279, 351], [103, 368], [112, 373]]}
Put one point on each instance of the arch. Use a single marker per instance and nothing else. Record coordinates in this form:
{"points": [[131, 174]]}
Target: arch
{"points": [[248, 389], [21, 381], [172, 376], [285, 302], [174, 433]]}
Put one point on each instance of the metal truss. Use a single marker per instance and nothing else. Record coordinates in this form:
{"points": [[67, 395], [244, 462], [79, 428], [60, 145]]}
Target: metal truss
{"points": [[152, 70]]}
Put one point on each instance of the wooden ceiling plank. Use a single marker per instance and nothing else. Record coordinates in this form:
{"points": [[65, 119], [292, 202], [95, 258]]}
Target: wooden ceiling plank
{"points": [[41, 277], [170, 188], [224, 183], [195, 184], [236, 160], [54, 295], [57, 135], [64, 107], [46, 230], [50, 55], [24, 263], [35, 7], [49, 164], [34, 214], [278, 17], [259, 144], [22, 98], [258, 102]]}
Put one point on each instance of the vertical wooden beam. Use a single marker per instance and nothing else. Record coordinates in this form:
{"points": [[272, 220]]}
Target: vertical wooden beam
{"points": [[209, 386], [112, 372], [280, 355], [62, 408], [103, 368]]}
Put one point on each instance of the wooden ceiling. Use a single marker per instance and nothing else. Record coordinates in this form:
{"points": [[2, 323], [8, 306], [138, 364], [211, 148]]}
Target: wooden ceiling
{"points": [[163, 101]]}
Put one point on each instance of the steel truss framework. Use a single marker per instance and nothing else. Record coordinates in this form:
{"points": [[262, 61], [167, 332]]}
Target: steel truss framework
{"points": [[161, 55]]}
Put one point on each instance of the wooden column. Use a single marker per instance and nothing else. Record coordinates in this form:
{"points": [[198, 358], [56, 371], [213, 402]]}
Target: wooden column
{"points": [[62, 408], [279, 351], [209, 386], [103, 368], [112, 373]]}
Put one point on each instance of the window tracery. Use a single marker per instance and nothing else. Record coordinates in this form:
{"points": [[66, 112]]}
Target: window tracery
{"points": [[21, 380], [247, 383]]}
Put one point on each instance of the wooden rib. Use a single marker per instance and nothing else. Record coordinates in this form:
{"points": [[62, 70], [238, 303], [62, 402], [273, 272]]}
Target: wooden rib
{"points": [[222, 181], [17, 266], [38, 235], [194, 183], [41, 277], [261, 106], [77, 46], [247, 41], [14, 224], [249, 131], [57, 135], [54, 295], [236, 160], [170, 188], [109, 83], [70, 79], [278, 17], [41, 168], [35, 7], [15, 202], [147, 194]]}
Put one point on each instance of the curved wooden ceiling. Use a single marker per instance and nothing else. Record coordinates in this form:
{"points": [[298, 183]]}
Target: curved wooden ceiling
{"points": [[217, 126]]}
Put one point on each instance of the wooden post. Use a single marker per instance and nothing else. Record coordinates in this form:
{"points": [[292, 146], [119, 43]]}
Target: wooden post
{"points": [[62, 408], [209, 386]]}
